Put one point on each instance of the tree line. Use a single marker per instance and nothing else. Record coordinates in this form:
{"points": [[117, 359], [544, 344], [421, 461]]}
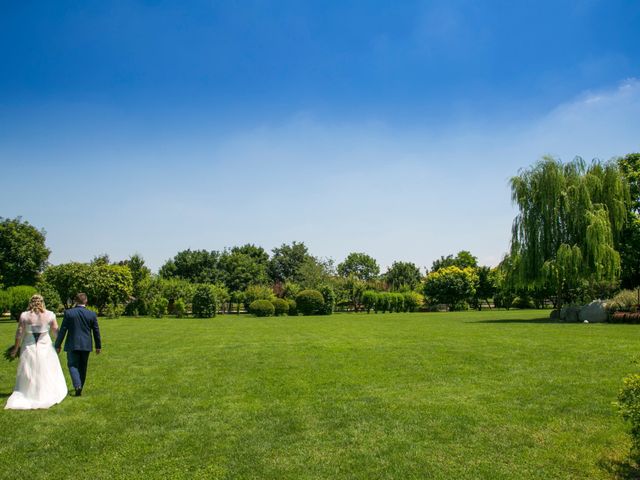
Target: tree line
{"points": [[576, 237]]}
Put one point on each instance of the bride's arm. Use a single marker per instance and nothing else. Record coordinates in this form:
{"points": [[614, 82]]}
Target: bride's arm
{"points": [[53, 326], [19, 334]]}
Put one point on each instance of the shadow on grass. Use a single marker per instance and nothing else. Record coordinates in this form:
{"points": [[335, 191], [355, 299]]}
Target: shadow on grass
{"points": [[517, 320], [5, 395], [621, 469]]}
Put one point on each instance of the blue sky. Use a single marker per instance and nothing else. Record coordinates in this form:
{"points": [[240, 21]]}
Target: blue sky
{"points": [[385, 127]]}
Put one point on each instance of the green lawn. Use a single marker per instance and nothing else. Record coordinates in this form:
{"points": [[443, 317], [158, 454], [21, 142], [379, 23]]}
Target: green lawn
{"points": [[438, 395]]}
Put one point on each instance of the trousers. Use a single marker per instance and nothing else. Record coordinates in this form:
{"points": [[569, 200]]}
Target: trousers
{"points": [[77, 361]]}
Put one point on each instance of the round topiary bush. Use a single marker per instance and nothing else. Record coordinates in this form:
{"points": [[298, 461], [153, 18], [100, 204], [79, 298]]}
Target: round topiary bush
{"points": [[310, 302], [262, 308], [205, 302], [19, 299], [281, 306]]}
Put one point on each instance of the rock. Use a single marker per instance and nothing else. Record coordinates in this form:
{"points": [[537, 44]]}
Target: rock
{"points": [[554, 315], [570, 314], [595, 312]]}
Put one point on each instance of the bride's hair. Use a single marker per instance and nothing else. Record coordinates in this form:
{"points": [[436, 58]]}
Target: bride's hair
{"points": [[36, 304]]}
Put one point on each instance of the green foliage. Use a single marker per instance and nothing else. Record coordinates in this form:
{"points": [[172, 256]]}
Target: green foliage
{"points": [[158, 307], [329, 296], [403, 275], [280, 305], [179, 308], [5, 301], [452, 286], [290, 290], [383, 302], [293, 307], [197, 266], [23, 253], [629, 243], [19, 297], [315, 272], [112, 310], [359, 265], [102, 283], [369, 299], [243, 266], [571, 217], [205, 302], [350, 291], [623, 301], [412, 301], [629, 408], [286, 262], [257, 292], [521, 302], [487, 285], [262, 308], [463, 259], [309, 302], [50, 295]]}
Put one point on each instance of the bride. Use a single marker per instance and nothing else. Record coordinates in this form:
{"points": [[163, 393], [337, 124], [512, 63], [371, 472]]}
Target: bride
{"points": [[40, 382]]}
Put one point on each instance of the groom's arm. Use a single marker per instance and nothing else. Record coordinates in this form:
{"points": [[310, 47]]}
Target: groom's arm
{"points": [[96, 335]]}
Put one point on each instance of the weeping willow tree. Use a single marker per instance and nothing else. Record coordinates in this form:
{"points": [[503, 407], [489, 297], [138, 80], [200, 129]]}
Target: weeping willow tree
{"points": [[570, 219]]}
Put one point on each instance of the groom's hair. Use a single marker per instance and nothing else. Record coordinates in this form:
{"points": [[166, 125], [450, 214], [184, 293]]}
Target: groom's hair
{"points": [[81, 299]]}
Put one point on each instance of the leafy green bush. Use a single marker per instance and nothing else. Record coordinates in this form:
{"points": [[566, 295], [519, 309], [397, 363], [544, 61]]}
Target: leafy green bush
{"points": [[262, 308], [293, 307], [180, 308], [624, 301], [397, 300], [329, 297], [19, 299], [383, 303], [113, 310], [205, 302], [369, 298], [452, 286], [50, 295], [629, 408], [522, 302], [257, 292], [412, 301], [281, 306], [309, 302], [5, 301], [157, 307]]}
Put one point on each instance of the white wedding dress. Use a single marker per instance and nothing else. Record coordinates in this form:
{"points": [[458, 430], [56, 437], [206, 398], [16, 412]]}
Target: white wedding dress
{"points": [[40, 382]]}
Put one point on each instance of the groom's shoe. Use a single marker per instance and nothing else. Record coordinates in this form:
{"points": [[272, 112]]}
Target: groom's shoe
{"points": [[78, 392]]}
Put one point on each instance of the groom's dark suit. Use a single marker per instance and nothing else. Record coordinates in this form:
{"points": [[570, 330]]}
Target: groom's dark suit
{"points": [[77, 325]]}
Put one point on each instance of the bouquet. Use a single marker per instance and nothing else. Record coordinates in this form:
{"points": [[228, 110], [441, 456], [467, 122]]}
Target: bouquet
{"points": [[8, 356]]}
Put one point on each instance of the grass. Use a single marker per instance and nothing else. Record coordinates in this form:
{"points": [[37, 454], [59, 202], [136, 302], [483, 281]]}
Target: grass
{"points": [[440, 395]]}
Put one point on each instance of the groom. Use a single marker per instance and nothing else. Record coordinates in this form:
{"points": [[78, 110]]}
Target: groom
{"points": [[78, 323]]}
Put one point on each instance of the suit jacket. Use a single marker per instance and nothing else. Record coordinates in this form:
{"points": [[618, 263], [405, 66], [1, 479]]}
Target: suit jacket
{"points": [[77, 325]]}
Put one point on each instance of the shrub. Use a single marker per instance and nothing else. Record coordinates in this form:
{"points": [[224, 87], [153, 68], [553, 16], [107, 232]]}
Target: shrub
{"points": [[281, 306], [293, 307], [309, 302], [329, 297], [451, 286], [179, 308], [382, 302], [5, 301], [369, 298], [50, 295], [397, 300], [205, 302], [624, 301], [19, 299], [412, 300], [629, 408], [113, 310], [257, 292], [158, 306], [262, 308], [522, 302]]}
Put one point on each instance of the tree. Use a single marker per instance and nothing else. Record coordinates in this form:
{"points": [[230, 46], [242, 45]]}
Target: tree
{"points": [[197, 266], [629, 244], [452, 286], [23, 253], [314, 272], [463, 259], [360, 265], [286, 262], [403, 275], [570, 217], [140, 278], [103, 284], [487, 286], [240, 268]]}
